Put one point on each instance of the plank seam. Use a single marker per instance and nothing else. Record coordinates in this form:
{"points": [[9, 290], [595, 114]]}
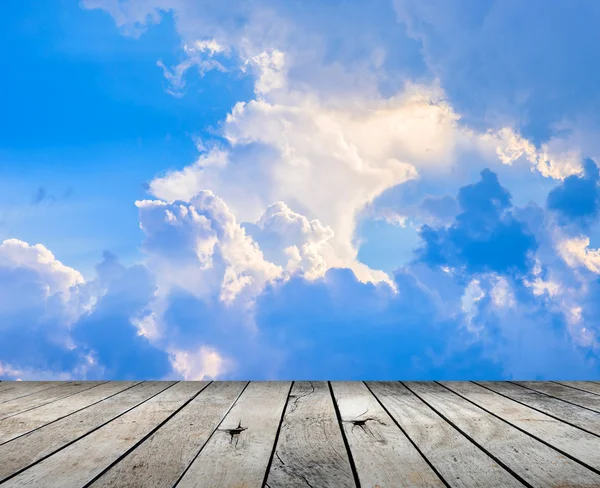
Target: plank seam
{"points": [[570, 456], [473, 441], [143, 439], [84, 435], [537, 410], [69, 414], [210, 436], [442, 479], [344, 438], [575, 388], [556, 398], [268, 470], [35, 392], [52, 401]]}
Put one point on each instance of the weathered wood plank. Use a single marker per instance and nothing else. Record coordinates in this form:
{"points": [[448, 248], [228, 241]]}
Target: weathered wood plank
{"points": [[580, 417], [310, 450], [566, 438], [79, 463], [22, 389], [18, 405], [22, 423], [583, 385], [460, 462], [565, 393], [238, 453], [383, 455], [26, 450], [529, 459], [162, 458]]}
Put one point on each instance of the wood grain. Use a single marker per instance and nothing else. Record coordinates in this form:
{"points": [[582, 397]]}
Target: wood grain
{"points": [[566, 412], [162, 458], [18, 405], [383, 455], [529, 459], [310, 450], [20, 389], [583, 385], [238, 453], [566, 393], [26, 450], [79, 463], [566, 438], [22, 423], [460, 462]]}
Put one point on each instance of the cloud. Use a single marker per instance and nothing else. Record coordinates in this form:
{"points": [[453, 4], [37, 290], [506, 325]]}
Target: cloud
{"points": [[485, 235], [291, 241], [199, 246], [577, 199], [494, 66]]}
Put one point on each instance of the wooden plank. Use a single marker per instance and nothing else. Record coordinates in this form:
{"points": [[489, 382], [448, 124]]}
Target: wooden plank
{"points": [[566, 438], [565, 393], [24, 388], [588, 386], [566, 412], [22, 423], [162, 458], [310, 449], [460, 462], [238, 453], [79, 463], [18, 405], [527, 458], [26, 450], [382, 454]]}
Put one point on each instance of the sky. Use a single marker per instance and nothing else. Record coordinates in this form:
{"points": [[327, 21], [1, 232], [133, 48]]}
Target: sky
{"points": [[269, 189]]}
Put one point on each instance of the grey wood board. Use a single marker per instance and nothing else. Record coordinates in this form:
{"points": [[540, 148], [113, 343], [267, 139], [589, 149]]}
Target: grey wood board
{"points": [[383, 455], [44, 397], [29, 420], [26, 388], [571, 440], [310, 450], [583, 385], [534, 462], [79, 463], [566, 393], [28, 449], [460, 462], [560, 409], [162, 458], [238, 452]]}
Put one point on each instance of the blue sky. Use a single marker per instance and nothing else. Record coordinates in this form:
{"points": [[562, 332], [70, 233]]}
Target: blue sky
{"points": [[306, 190]]}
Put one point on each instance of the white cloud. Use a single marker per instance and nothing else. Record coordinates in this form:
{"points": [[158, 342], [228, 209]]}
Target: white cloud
{"points": [[502, 294], [205, 363], [43, 278], [291, 241], [199, 246], [576, 252], [553, 159], [472, 295], [58, 277]]}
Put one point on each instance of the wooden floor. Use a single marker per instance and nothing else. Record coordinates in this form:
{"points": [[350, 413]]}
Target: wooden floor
{"points": [[299, 434]]}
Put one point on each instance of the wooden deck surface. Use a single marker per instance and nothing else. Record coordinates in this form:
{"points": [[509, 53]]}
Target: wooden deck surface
{"points": [[299, 434]]}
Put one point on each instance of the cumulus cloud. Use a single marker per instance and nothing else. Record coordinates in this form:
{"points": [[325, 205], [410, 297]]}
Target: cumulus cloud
{"points": [[206, 363], [494, 66], [485, 235], [251, 251], [199, 246]]}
